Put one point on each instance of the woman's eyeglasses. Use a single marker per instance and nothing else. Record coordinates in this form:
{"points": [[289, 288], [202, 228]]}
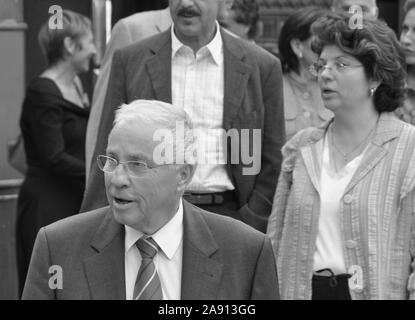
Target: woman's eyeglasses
{"points": [[318, 67]]}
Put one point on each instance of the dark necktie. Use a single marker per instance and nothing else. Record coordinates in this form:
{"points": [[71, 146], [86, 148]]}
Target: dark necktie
{"points": [[147, 286]]}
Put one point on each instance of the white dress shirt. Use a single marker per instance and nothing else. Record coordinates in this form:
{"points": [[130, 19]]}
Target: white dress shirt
{"points": [[168, 260], [329, 243], [198, 88]]}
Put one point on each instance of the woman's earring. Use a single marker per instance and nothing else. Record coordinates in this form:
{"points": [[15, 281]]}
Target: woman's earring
{"points": [[372, 91], [300, 55]]}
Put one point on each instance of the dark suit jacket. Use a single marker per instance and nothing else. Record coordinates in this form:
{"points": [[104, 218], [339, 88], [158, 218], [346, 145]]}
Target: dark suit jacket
{"points": [[222, 258], [253, 100]]}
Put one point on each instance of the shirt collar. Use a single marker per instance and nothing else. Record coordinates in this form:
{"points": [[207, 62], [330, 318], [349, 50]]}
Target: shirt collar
{"points": [[215, 46], [168, 237]]}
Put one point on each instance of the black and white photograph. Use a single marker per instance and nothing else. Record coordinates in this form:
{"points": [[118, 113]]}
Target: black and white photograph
{"points": [[226, 152]]}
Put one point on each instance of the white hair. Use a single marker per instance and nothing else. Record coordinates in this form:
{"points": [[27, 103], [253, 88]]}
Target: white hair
{"points": [[163, 115]]}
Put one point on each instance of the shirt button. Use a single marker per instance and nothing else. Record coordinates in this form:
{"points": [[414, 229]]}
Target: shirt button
{"points": [[307, 114], [351, 244], [348, 199]]}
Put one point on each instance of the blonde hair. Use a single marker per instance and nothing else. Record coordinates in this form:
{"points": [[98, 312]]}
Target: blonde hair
{"points": [[51, 41]]}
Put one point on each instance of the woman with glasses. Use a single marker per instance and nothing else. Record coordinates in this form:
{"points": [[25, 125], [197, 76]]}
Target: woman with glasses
{"points": [[407, 111], [303, 106], [343, 217], [53, 124]]}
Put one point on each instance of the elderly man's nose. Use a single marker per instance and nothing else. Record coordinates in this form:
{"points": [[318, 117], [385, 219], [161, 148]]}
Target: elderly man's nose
{"points": [[120, 175]]}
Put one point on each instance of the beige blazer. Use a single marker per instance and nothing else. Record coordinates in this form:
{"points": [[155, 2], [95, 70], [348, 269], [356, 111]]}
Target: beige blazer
{"points": [[377, 213]]}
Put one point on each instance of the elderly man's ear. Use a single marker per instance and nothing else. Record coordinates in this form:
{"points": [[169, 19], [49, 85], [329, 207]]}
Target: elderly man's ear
{"points": [[185, 174]]}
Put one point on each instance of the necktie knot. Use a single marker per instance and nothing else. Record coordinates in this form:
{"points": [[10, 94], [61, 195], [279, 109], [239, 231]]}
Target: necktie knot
{"points": [[148, 247]]}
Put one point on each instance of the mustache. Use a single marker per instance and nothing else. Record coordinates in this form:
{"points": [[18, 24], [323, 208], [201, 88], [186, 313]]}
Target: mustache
{"points": [[187, 12]]}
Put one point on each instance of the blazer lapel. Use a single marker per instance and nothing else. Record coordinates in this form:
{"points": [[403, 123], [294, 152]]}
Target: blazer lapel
{"points": [[159, 68], [201, 274], [311, 155], [236, 78], [388, 128], [105, 270]]}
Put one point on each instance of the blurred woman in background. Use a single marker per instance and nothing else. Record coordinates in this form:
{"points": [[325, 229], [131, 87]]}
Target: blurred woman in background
{"points": [[303, 106], [407, 111], [53, 124], [343, 218]]}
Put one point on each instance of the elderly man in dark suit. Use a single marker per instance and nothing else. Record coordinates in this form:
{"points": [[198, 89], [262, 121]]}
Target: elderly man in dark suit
{"points": [[223, 83], [149, 243]]}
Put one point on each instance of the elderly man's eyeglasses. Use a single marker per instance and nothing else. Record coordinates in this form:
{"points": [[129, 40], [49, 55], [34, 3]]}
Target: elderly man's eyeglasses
{"points": [[134, 168], [318, 67]]}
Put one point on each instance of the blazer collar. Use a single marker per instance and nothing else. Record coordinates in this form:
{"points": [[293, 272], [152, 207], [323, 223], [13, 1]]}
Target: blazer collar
{"points": [[237, 73], [105, 271], [388, 128], [201, 274], [159, 66]]}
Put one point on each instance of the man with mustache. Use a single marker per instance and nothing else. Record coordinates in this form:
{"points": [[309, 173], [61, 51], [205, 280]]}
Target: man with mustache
{"points": [[125, 32], [223, 83]]}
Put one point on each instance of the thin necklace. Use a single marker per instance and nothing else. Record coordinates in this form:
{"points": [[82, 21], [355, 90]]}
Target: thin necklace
{"points": [[347, 154]]}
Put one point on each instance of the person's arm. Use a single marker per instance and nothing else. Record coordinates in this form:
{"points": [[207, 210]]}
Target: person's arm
{"points": [[120, 38], [265, 281], [411, 281], [258, 208], [95, 196], [37, 280], [47, 123]]}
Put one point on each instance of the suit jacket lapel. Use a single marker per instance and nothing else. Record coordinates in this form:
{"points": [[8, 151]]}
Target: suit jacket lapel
{"points": [[201, 274], [236, 78], [105, 270], [159, 67]]}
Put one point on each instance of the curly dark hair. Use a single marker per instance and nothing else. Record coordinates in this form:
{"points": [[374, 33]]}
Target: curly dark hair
{"points": [[376, 46]]}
